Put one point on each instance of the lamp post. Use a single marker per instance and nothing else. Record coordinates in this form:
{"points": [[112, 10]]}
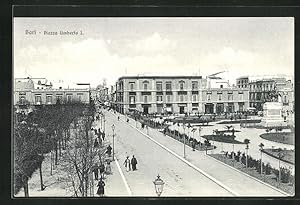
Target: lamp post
{"points": [[200, 128], [261, 145], [247, 141], [113, 129], [159, 185], [183, 139]]}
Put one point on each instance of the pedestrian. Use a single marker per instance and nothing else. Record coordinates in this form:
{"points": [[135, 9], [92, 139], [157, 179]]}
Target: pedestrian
{"points": [[103, 136], [194, 144], [101, 186], [108, 150], [127, 120], [108, 167], [95, 169], [96, 143], [118, 118], [133, 163], [102, 170], [127, 164]]}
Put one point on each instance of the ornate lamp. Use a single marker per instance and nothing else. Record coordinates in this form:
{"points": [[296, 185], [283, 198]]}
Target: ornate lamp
{"points": [[159, 185]]}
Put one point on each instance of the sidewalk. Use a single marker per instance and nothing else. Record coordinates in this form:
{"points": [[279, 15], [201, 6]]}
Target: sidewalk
{"points": [[238, 182], [114, 186]]}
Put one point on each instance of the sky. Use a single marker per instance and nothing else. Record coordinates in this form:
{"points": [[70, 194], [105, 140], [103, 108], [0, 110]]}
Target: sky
{"points": [[113, 47]]}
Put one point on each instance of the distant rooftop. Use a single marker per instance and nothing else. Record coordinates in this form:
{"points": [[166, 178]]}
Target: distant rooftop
{"points": [[160, 77]]}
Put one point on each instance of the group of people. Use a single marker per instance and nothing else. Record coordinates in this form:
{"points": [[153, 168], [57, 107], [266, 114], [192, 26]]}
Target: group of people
{"points": [[130, 164], [100, 137], [102, 169]]}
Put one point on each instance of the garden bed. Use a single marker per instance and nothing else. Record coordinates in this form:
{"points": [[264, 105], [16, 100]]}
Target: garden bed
{"points": [[281, 137], [222, 138], [238, 121], [270, 179], [288, 155]]}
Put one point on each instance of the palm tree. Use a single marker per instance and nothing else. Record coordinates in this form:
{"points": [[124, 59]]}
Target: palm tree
{"points": [[247, 141], [261, 145], [206, 142], [228, 127]]}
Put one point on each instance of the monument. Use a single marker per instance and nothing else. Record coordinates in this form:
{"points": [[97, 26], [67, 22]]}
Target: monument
{"points": [[272, 113]]}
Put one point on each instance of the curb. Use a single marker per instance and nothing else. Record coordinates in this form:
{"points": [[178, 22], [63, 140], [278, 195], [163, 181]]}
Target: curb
{"points": [[123, 178], [258, 180]]}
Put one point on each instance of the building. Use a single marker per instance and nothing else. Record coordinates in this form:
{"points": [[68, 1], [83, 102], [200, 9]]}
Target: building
{"points": [[112, 96], [26, 93], [242, 82], [221, 100], [177, 94], [266, 90]]}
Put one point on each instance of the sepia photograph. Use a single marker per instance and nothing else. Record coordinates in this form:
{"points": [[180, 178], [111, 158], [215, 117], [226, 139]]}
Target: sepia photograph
{"points": [[153, 107]]}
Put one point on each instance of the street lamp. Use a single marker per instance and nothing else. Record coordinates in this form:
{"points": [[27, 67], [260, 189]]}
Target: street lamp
{"points": [[247, 141], [159, 185], [261, 145], [113, 129], [200, 128], [280, 156]]}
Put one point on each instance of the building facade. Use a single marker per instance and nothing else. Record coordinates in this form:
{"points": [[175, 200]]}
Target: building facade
{"points": [[242, 82], [229, 100], [267, 90], [26, 93], [176, 94]]}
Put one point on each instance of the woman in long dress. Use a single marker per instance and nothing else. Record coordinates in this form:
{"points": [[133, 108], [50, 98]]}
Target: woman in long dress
{"points": [[127, 164]]}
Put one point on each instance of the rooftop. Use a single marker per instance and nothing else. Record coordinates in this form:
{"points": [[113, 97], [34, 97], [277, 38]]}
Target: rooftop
{"points": [[161, 77]]}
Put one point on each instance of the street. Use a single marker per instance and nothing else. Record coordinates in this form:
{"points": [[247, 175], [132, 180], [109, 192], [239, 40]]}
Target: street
{"points": [[180, 178]]}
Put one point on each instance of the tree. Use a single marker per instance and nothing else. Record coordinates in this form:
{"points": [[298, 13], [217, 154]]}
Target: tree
{"points": [[80, 157]]}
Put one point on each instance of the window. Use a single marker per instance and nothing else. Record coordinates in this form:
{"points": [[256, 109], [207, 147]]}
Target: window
{"points": [[38, 99], [48, 99], [241, 96], [168, 86], [158, 98], [131, 99], [220, 96], [69, 98], [168, 98], [145, 99], [230, 97], [131, 86], [22, 100], [79, 96], [208, 96], [159, 86], [181, 99], [59, 98], [181, 85], [285, 99], [145, 86], [194, 98], [194, 85]]}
